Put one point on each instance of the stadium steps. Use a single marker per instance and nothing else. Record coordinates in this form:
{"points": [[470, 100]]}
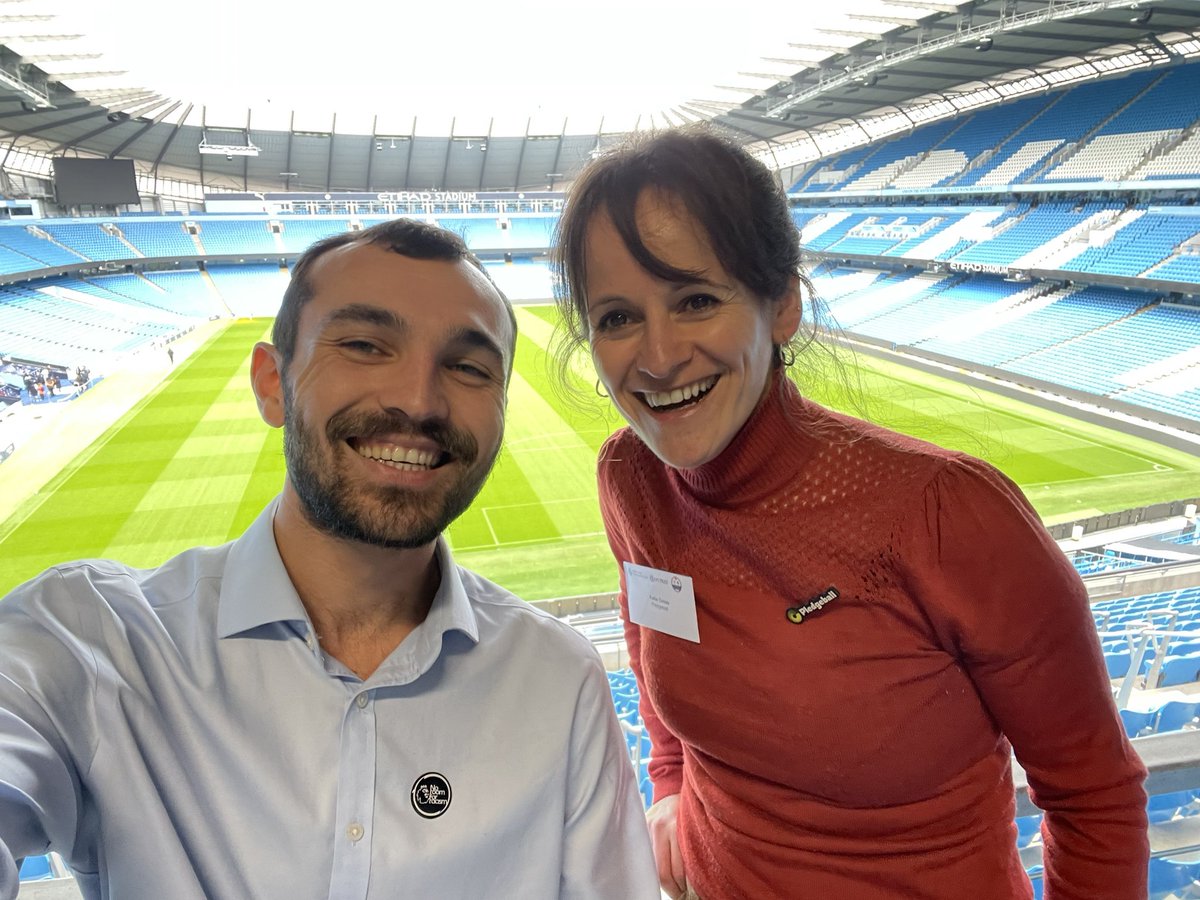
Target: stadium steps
{"points": [[1068, 244], [991, 155], [113, 231], [930, 288], [855, 168], [112, 287], [214, 290], [1071, 149], [1193, 241], [195, 236], [46, 236], [820, 224], [1162, 148], [943, 239], [987, 318], [1078, 337], [1165, 370], [915, 162]]}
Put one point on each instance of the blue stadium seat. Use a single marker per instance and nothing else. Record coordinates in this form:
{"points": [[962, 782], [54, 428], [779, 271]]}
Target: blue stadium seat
{"points": [[1165, 807], [1176, 716], [1138, 724], [1169, 877], [36, 868], [1029, 830], [1183, 669]]}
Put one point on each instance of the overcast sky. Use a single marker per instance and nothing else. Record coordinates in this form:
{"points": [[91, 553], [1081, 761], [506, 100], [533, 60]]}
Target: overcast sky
{"points": [[504, 58]]}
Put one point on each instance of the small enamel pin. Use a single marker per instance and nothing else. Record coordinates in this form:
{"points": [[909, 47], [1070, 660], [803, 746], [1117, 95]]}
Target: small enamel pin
{"points": [[797, 614]]}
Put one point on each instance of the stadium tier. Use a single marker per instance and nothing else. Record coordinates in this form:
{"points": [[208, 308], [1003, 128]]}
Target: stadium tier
{"points": [[1123, 344], [1138, 127]]}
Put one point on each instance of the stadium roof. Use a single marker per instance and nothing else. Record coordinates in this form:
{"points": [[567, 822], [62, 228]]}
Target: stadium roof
{"points": [[936, 50], [253, 97]]}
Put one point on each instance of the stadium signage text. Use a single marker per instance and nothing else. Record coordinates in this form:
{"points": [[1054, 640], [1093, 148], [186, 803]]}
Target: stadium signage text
{"points": [[981, 268], [428, 197]]}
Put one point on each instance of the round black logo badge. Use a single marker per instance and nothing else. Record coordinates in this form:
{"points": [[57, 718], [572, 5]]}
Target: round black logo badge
{"points": [[431, 795]]}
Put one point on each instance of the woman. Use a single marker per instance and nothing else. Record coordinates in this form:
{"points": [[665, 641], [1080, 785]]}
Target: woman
{"points": [[878, 619]]}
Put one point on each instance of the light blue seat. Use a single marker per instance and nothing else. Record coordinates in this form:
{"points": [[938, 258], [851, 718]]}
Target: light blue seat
{"points": [[1180, 670], [1118, 663], [1138, 723], [36, 868], [1176, 715], [1168, 876], [1165, 807], [1029, 829]]}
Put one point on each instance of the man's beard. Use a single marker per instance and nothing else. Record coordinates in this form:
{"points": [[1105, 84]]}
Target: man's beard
{"points": [[380, 515]]}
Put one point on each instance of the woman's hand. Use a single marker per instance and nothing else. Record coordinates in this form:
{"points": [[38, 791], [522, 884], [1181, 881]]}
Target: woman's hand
{"points": [[664, 838]]}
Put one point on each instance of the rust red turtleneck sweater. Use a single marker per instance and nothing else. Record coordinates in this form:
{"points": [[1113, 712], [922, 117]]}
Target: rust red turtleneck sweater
{"points": [[864, 753]]}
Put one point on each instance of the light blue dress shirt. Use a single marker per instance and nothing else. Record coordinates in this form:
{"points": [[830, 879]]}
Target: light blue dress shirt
{"points": [[177, 734]]}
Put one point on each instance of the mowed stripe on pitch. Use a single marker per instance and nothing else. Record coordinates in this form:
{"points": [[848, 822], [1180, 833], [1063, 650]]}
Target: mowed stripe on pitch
{"points": [[88, 506], [554, 445], [195, 498], [516, 504]]}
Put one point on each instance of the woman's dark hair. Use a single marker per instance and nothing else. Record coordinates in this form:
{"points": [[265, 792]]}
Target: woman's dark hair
{"points": [[731, 196]]}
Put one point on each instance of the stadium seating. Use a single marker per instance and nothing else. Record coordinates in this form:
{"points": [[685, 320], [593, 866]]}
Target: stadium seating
{"points": [[1044, 138], [249, 290], [42, 249], [298, 232], [238, 237], [159, 238], [90, 239]]}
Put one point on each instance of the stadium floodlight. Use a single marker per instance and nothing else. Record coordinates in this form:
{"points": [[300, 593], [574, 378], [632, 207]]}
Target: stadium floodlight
{"points": [[227, 150]]}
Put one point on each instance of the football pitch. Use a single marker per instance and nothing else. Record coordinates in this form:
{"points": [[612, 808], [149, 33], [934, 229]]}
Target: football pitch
{"points": [[192, 463]]}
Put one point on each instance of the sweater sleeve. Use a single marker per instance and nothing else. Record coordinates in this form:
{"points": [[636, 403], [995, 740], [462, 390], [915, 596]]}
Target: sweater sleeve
{"points": [[666, 757], [1010, 607]]}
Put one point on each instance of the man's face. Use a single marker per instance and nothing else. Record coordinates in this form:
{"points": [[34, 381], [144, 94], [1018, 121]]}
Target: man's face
{"points": [[393, 403]]}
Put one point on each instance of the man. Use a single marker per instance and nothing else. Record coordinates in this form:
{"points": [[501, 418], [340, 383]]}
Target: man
{"points": [[328, 706]]}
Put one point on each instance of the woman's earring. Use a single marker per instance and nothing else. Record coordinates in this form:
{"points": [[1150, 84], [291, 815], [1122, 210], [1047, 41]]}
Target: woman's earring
{"points": [[787, 355], [600, 390]]}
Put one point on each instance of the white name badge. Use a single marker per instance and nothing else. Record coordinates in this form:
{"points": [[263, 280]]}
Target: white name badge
{"points": [[662, 600]]}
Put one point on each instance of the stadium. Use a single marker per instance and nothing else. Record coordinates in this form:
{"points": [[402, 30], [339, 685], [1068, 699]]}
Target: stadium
{"points": [[998, 202]]}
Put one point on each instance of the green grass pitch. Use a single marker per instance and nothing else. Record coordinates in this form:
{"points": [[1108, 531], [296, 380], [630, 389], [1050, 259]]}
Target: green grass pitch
{"points": [[193, 464]]}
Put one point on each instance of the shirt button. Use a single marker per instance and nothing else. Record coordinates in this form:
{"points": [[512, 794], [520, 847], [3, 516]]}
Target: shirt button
{"points": [[309, 640], [362, 700], [355, 832]]}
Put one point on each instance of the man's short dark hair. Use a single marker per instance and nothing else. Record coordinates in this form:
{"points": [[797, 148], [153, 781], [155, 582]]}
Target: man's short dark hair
{"points": [[408, 237]]}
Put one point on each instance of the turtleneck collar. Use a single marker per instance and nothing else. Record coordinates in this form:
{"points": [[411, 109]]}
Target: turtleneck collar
{"points": [[750, 467]]}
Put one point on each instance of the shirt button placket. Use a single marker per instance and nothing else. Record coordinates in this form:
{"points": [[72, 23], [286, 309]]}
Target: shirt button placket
{"points": [[351, 873]]}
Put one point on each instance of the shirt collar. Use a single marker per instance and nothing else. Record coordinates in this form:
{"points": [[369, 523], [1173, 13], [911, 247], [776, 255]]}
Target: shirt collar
{"points": [[256, 590]]}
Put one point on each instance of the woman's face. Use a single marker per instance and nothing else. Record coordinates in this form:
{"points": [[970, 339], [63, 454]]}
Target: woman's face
{"points": [[685, 363]]}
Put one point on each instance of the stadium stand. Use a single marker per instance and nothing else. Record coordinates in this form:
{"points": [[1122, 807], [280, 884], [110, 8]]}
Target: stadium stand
{"points": [[159, 238], [238, 237], [298, 233], [1008, 246], [249, 290]]}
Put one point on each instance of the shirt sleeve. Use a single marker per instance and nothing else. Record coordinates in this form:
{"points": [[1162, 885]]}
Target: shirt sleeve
{"points": [[1008, 604], [666, 755], [606, 852], [40, 793]]}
